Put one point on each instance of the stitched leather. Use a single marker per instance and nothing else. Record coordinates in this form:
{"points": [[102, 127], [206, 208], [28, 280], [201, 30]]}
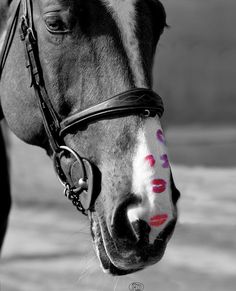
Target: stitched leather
{"points": [[135, 101]]}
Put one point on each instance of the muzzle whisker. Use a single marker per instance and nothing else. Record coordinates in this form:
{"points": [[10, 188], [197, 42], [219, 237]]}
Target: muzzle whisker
{"points": [[86, 269], [116, 280]]}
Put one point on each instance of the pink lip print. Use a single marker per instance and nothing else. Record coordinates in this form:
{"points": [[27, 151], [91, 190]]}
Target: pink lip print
{"points": [[165, 160], [160, 136], [158, 220], [151, 160], [159, 185]]}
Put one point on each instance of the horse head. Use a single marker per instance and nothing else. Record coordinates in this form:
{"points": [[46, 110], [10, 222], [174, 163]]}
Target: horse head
{"points": [[89, 51]]}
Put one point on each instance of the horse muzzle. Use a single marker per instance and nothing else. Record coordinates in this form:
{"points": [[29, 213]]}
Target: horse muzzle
{"points": [[124, 246]]}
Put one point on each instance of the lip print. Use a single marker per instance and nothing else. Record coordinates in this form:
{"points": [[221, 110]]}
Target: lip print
{"points": [[158, 220], [158, 185], [151, 160], [160, 136], [165, 160]]}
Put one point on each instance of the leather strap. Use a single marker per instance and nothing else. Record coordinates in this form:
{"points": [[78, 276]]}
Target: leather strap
{"points": [[50, 119], [135, 101], [27, 34]]}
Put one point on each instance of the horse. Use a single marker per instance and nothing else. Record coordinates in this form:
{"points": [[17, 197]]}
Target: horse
{"points": [[76, 79]]}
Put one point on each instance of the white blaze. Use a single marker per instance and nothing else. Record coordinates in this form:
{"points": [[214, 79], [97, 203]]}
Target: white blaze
{"points": [[124, 13], [145, 171]]}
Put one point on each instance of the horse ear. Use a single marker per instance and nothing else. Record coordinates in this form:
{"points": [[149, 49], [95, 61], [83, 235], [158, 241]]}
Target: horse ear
{"points": [[160, 12]]}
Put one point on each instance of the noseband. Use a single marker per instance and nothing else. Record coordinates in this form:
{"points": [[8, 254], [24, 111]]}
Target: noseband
{"points": [[137, 101]]}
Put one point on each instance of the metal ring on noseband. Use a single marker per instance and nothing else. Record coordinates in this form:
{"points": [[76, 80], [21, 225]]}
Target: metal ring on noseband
{"points": [[71, 192], [60, 172]]}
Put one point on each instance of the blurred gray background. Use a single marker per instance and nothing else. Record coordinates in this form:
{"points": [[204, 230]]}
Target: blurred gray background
{"points": [[48, 245], [195, 73]]}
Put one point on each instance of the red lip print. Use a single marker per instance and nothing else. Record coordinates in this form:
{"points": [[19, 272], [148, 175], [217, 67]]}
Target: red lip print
{"points": [[159, 185], [158, 220], [151, 160]]}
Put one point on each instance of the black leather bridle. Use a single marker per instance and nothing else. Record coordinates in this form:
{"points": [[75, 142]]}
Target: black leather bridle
{"points": [[137, 101]]}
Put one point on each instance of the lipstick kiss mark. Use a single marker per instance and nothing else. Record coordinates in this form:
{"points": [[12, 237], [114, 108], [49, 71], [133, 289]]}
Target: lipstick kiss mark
{"points": [[158, 220], [159, 185], [160, 136], [151, 160], [165, 160]]}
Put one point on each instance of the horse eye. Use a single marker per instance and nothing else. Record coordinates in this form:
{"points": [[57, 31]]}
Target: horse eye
{"points": [[55, 24]]}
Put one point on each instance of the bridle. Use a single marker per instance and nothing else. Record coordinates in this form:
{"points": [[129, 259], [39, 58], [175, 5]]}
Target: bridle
{"points": [[137, 101]]}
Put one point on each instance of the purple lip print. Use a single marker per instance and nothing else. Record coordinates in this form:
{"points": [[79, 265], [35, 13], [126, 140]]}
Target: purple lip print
{"points": [[165, 160], [160, 136]]}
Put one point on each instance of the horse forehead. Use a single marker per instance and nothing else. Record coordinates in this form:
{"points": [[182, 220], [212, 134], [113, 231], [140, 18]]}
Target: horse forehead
{"points": [[120, 5], [125, 15]]}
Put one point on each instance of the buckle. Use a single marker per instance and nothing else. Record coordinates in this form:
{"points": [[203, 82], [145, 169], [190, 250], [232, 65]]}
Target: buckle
{"points": [[23, 27], [26, 30]]}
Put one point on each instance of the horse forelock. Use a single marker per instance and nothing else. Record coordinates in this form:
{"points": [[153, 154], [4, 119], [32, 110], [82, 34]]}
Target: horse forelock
{"points": [[125, 16]]}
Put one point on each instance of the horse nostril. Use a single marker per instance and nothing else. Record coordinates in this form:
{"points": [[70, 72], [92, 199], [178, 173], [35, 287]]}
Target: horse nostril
{"points": [[121, 227]]}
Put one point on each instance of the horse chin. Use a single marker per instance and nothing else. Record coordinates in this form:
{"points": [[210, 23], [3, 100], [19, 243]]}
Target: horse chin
{"points": [[123, 258]]}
